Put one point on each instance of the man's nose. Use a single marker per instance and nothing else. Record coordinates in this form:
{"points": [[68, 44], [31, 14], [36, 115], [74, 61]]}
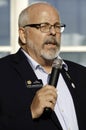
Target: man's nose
{"points": [[52, 30]]}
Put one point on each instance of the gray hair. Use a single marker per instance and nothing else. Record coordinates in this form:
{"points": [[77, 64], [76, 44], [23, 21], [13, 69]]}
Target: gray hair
{"points": [[23, 17]]}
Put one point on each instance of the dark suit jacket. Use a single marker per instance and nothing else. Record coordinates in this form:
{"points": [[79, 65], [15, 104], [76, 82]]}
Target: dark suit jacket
{"points": [[16, 96]]}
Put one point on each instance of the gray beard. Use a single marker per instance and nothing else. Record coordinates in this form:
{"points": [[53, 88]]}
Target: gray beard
{"points": [[50, 55]]}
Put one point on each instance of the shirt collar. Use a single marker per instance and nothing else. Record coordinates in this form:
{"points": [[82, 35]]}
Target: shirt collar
{"points": [[32, 62], [35, 65]]}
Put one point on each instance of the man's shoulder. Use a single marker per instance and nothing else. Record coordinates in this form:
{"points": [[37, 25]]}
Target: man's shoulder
{"points": [[11, 57], [75, 66], [6, 59]]}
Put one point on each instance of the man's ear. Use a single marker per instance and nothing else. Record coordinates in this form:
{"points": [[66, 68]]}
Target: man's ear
{"points": [[22, 35]]}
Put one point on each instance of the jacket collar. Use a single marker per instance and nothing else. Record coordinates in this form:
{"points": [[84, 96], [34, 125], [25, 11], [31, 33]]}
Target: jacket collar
{"points": [[20, 63]]}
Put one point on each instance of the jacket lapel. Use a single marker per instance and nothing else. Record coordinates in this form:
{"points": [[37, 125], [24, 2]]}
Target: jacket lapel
{"points": [[73, 91], [20, 64]]}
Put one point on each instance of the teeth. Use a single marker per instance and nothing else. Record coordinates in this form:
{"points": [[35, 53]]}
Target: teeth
{"points": [[51, 43]]}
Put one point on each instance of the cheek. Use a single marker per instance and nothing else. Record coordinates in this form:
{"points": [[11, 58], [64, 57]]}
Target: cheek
{"points": [[36, 37], [58, 37]]}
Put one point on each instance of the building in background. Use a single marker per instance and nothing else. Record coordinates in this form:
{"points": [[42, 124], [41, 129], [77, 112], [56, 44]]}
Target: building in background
{"points": [[72, 14]]}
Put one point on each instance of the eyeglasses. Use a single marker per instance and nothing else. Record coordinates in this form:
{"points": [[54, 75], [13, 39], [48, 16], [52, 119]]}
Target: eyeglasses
{"points": [[46, 27]]}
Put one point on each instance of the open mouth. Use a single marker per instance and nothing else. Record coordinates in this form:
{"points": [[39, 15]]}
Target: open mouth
{"points": [[51, 44]]}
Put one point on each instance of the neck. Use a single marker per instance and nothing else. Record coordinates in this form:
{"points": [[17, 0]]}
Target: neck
{"points": [[47, 65]]}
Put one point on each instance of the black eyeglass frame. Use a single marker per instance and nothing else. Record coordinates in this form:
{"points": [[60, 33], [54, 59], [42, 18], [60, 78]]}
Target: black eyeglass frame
{"points": [[39, 26]]}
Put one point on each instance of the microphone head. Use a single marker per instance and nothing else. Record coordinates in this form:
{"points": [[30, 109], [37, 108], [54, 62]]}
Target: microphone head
{"points": [[57, 63]]}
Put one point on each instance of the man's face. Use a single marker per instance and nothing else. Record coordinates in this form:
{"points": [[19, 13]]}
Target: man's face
{"points": [[40, 44]]}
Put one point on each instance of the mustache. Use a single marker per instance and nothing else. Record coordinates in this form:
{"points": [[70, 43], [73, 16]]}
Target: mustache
{"points": [[51, 41]]}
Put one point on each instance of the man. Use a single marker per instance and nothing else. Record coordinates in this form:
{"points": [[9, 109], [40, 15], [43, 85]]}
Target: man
{"points": [[24, 77]]}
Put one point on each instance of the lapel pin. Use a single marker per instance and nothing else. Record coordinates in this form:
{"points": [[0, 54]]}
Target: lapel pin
{"points": [[29, 82]]}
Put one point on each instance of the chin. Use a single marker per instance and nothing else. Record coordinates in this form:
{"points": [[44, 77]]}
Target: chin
{"points": [[49, 55]]}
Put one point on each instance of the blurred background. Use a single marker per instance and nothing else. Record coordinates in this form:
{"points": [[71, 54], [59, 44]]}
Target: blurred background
{"points": [[73, 14]]}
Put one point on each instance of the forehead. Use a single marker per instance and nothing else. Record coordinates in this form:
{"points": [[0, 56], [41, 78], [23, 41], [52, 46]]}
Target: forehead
{"points": [[43, 13]]}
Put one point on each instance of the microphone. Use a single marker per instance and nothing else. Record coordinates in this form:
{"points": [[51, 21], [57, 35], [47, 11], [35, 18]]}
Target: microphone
{"points": [[56, 68]]}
